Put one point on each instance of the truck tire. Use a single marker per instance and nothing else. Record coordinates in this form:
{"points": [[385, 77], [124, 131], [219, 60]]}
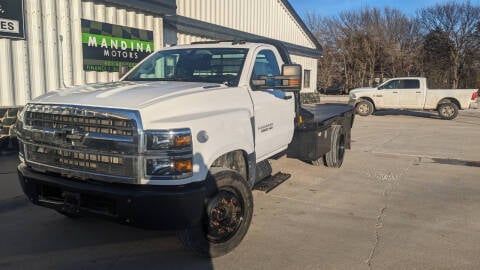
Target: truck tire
{"points": [[364, 108], [228, 213], [448, 111], [334, 158]]}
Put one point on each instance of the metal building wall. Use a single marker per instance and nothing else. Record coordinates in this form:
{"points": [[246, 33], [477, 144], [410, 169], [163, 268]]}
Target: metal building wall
{"points": [[269, 18], [51, 57]]}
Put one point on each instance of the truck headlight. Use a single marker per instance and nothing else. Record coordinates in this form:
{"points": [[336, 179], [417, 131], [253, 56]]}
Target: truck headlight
{"points": [[168, 139], [166, 167], [169, 154]]}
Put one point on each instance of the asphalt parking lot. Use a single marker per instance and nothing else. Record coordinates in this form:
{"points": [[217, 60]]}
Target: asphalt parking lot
{"points": [[406, 198]]}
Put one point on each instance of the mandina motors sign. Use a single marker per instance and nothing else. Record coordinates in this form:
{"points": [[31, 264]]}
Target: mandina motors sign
{"points": [[107, 47]]}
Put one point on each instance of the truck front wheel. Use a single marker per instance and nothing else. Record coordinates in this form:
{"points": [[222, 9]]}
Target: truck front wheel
{"points": [[364, 108], [448, 111], [228, 213]]}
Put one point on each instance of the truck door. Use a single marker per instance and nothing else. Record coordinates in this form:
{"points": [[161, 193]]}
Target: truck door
{"points": [[410, 94], [387, 95], [274, 109]]}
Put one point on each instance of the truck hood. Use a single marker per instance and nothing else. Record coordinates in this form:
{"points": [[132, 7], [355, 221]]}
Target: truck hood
{"points": [[124, 94], [362, 90]]}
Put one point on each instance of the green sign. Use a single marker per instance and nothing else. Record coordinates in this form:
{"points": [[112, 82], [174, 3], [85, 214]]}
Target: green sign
{"points": [[107, 47]]}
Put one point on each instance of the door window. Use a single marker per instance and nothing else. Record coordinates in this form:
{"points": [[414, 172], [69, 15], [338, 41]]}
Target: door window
{"points": [[401, 84], [410, 84], [266, 65], [395, 84]]}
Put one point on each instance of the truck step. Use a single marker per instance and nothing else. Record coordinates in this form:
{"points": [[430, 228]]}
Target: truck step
{"points": [[268, 184]]}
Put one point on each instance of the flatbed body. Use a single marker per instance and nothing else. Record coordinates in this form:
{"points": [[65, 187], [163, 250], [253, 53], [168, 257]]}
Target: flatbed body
{"points": [[324, 113], [313, 134]]}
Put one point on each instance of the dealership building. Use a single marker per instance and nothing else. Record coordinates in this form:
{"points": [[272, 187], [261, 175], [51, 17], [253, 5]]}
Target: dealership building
{"points": [[52, 44]]}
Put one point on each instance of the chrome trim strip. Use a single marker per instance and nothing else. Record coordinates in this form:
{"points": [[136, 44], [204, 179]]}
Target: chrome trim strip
{"points": [[50, 202], [81, 174], [105, 137], [89, 151], [169, 152]]}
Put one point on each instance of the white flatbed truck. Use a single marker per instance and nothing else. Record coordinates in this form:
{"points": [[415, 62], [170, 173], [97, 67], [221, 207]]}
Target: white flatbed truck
{"points": [[179, 142]]}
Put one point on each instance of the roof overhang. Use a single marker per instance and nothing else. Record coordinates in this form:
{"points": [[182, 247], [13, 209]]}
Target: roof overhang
{"points": [[168, 10], [216, 32]]}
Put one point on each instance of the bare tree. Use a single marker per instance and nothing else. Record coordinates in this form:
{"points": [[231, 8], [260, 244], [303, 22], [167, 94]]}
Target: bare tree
{"points": [[460, 22], [361, 46], [437, 61]]}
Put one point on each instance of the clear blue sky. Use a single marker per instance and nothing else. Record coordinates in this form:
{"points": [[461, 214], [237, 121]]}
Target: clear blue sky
{"points": [[334, 7]]}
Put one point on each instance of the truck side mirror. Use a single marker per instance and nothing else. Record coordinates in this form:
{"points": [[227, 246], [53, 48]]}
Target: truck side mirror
{"points": [[289, 81], [122, 70], [292, 77]]}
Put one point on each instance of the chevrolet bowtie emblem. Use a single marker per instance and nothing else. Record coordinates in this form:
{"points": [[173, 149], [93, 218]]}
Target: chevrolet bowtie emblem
{"points": [[74, 137], [70, 134]]}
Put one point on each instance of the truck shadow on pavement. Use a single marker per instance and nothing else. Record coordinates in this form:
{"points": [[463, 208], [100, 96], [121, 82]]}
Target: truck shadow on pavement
{"points": [[33, 237], [423, 114], [457, 162], [42, 239]]}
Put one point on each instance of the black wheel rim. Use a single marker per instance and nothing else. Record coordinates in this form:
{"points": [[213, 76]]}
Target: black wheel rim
{"points": [[341, 147], [225, 215]]}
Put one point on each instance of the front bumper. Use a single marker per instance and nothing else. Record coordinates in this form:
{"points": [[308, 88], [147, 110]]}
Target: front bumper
{"points": [[145, 206], [352, 101]]}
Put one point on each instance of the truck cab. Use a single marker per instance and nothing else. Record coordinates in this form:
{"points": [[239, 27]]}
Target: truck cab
{"points": [[179, 142]]}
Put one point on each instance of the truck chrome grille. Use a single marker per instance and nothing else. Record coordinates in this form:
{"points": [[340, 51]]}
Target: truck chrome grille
{"points": [[81, 141], [83, 120], [79, 161]]}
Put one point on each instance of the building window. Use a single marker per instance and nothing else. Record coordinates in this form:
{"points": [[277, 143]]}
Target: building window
{"points": [[306, 78]]}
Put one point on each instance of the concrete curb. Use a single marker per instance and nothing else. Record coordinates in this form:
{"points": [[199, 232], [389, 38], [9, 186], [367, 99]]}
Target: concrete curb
{"points": [[334, 99]]}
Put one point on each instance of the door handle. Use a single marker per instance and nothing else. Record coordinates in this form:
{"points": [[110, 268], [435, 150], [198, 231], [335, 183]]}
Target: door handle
{"points": [[287, 97], [395, 92], [418, 92]]}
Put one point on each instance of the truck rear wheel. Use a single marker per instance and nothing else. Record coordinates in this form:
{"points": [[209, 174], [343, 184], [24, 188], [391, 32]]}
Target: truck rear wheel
{"points": [[334, 158], [448, 111], [364, 108], [228, 214]]}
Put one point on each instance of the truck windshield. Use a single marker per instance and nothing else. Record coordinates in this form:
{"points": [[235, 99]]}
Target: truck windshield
{"points": [[213, 65]]}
